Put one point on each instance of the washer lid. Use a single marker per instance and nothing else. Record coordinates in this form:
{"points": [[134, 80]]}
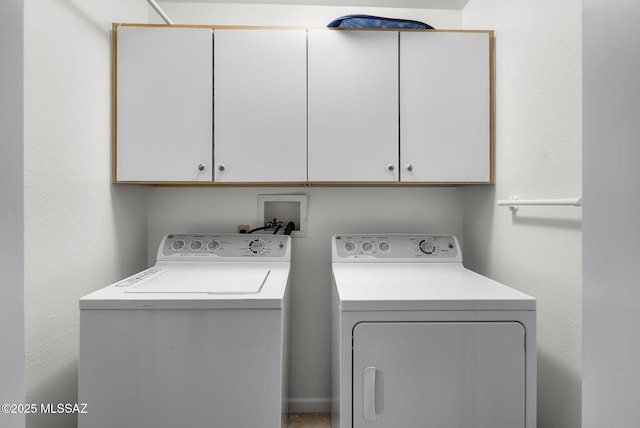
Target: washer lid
{"points": [[222, 280], [197, 285]]}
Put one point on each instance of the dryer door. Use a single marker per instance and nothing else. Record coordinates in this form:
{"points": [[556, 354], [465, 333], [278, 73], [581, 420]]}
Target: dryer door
{"points": [[445, 375]]}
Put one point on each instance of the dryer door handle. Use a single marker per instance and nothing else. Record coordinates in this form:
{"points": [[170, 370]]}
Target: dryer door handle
{"points": [[369, 394]]}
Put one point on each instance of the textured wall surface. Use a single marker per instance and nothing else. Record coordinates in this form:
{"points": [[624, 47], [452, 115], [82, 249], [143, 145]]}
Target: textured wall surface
{"points": [[538, 155], [81, 232]]}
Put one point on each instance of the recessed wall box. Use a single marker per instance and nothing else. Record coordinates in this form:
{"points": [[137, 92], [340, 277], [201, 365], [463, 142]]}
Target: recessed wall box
{"points": [[284, 208]]}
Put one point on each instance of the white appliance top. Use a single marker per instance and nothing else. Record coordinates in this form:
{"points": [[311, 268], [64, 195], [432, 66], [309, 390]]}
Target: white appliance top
{"points": [[201, 271], [414, 272]]}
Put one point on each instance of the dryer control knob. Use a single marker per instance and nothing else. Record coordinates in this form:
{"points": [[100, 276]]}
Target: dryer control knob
{"points": [[350, 246], [384, 246], [177, 245], [367, 246], [213, 245], [195, 245], [427, 246]]}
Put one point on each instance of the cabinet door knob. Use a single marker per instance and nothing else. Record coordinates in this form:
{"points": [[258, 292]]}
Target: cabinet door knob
{"points": [[391, 167], [202, 167], [221, 167], [409, 167]]}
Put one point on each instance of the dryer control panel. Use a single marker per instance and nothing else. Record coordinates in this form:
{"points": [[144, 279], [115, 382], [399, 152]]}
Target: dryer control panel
{"points": [[396, 248], [216, 246]]}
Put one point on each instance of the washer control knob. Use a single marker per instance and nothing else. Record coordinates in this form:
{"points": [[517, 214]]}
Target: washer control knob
{"points": [[384, 246], [257, 246], [367, 246], [177, 245], [213, 245], [350, 247], [195, 245], [427, 246]]}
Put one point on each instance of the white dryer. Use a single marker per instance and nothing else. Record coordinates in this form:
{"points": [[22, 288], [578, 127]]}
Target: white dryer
{"points": [[421, 341], [197, 340]]}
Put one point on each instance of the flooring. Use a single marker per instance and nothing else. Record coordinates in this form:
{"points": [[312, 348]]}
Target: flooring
{"points": [[309, 420]]}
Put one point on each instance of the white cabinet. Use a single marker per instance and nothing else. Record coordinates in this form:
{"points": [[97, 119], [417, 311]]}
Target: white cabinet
{"points": [[203, 105], [353, 106], [439, 374], [164, 104], [260, 105], [445, 98], [295, 106], [400, 107]]}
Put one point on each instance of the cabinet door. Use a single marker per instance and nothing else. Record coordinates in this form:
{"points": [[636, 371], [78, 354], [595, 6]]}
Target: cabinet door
{"points": [[164, 104], [445, 106], [353, 105], [260, 111], [445, 375]]}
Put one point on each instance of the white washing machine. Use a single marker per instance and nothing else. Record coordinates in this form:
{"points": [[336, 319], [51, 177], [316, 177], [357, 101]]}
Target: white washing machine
{"points": [[197, 340], [421, 341]]}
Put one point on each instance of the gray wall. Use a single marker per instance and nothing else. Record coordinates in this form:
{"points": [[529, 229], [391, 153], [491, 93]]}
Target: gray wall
{"points": [[11, 211], [611, 231]]}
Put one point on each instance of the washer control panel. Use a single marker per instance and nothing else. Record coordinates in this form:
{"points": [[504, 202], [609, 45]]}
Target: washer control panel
{"points": [[396, 247], [223, 246]]}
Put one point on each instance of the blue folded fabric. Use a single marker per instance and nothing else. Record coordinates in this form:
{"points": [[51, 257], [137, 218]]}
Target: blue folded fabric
{"points": [[369, 21]]}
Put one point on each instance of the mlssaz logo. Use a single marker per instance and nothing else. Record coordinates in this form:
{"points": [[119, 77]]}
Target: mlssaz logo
{"points": [[63, 408]]}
